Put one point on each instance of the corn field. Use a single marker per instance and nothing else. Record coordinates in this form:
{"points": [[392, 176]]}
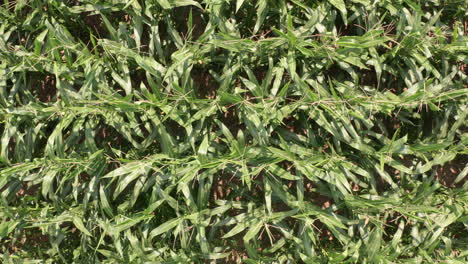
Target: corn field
{"points": [[217, 131]]}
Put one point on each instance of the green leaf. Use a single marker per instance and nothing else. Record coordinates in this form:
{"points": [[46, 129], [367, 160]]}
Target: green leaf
{"points": [[340, 5], [79, 224]]}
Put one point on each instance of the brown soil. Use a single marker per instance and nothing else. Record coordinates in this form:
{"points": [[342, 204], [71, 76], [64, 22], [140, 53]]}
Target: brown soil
{"points": [[46, 88], [205, 83], [447, 173], [26, 190], [29, 239]]}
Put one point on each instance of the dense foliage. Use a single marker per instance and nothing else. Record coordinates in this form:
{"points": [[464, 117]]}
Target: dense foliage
{"points": [[267, 131]]}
